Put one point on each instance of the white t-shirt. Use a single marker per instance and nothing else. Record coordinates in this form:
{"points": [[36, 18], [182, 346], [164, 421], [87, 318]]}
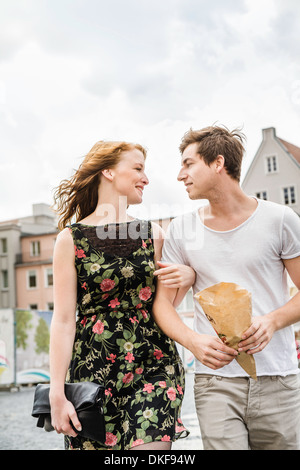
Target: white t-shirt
{"points": [[249, 255]]}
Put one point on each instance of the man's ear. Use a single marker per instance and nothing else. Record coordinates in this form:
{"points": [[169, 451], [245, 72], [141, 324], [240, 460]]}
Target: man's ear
{"points": [[219, 163], [108, 174]]}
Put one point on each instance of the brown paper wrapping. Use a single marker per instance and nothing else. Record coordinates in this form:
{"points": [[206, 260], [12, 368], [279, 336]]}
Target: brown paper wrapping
{"points": [[228, 307]]}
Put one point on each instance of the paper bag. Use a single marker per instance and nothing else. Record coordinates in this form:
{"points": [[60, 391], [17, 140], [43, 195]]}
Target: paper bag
{"points": [[228, 307]]}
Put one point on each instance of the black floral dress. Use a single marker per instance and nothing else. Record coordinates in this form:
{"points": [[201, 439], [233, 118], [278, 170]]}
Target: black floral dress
{"points": [[117, 342]]}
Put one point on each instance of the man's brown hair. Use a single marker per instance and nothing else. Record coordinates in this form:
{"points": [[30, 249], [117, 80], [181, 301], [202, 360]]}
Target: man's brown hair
{"points": [[213, 141]]}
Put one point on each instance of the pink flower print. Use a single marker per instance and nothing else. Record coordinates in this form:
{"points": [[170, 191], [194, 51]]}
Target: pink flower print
{"points": [[179, 428], [79, 253], [107, 284], [112, 357], [145, 293], [171, 392], [139, 306], [113, 303], [98, 327], [162, 384], [148, 388], [108, 392], [138, 442], [166, 438], [134, 319], [93, 318], [111, 439], [144, 244], [158, 354], [128, 378], [139, 370], [84, 286], [83, 321], [129, 357], [179, 388], [144, 313]]}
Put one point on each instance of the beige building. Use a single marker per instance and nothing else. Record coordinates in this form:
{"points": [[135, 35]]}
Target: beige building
{"points": [[274, 173]]}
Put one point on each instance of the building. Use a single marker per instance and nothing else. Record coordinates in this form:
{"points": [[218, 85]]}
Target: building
{"points": [[12, 234], [274, 173], [34, 275], [10, 245]]}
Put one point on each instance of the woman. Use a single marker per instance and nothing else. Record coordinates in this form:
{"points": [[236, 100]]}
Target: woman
{"points": [[103, 265]]}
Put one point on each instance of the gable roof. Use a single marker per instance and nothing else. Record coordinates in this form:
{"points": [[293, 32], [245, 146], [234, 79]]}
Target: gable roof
{"points": [[292, 149]]}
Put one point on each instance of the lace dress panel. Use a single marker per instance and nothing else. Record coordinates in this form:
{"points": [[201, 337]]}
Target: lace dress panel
{"points": [[119, 239]]}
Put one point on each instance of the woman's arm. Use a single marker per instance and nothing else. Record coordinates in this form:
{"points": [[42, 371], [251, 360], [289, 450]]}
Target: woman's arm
{"points": [[173, 276], [63, 332], [209, 350]]}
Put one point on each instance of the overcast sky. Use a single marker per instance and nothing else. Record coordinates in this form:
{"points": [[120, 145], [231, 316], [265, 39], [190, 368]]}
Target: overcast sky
{"points": [[73, 72]]}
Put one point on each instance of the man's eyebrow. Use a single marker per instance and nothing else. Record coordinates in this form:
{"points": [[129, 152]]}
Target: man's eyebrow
{"points": [[185, 160]]}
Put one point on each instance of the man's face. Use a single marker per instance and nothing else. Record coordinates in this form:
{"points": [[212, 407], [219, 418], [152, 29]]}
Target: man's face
{"points": [[198, 177]]}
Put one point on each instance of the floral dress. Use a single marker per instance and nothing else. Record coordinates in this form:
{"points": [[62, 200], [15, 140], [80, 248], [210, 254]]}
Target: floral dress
{"points": [[117, 343]]}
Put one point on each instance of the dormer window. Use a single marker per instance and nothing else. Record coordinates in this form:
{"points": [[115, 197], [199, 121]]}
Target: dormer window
{"points": [[271, 164]]}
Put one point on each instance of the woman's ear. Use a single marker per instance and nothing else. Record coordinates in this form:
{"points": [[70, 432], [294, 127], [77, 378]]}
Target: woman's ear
{"points": [[108, 174]]}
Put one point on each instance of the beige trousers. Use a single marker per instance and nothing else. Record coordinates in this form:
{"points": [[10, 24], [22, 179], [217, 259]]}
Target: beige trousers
{"points": [[240, 413]]}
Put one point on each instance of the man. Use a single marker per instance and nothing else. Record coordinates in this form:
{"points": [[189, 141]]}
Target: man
{"points": [[253, 243]]}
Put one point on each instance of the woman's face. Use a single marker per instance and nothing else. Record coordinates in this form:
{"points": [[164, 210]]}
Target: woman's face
{"points": [[129, 176]]}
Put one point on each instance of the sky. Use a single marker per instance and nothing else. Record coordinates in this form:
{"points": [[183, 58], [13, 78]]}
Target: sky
{"points": [[73, 72]]}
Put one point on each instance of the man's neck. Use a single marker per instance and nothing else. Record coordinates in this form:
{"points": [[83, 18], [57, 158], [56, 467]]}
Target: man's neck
{"points": [[228, 209]]}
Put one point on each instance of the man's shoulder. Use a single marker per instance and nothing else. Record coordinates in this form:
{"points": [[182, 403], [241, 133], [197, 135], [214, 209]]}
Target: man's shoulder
{"points": [[272, 209], [181, 219]]}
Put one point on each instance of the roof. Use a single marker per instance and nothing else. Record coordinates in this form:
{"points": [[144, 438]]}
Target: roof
{"points": [[292, 149], [9, 222]]}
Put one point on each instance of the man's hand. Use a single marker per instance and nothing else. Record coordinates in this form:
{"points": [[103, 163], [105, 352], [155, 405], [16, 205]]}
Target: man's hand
{"points": [[258, 335]]}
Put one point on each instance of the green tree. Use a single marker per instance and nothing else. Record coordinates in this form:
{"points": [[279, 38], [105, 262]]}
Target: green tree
{"points": [[42, 337], [23, 324]]}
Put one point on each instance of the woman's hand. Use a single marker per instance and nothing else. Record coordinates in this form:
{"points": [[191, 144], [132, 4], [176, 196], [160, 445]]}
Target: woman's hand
{"points": [[62, 413], [175, 275], [211, 351]]}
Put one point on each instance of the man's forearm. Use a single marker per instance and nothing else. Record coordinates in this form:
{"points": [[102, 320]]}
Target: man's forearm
{"points": [[288, 314]]}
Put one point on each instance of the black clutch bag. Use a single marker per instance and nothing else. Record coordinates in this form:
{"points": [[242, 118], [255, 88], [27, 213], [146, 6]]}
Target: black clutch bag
{"points": [[87, 399]]}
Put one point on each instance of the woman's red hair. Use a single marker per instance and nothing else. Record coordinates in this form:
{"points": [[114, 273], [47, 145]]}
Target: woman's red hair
{"points": [[78, 196]]}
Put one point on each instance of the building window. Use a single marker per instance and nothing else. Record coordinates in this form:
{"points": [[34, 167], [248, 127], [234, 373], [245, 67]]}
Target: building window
{"points": [[262, 195], [48, 277], [33, 306], [35, 249], [50, 306], [3, 245], [271, 164], [32, 279], [289, 195], [4, 279]]}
